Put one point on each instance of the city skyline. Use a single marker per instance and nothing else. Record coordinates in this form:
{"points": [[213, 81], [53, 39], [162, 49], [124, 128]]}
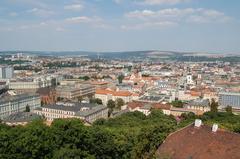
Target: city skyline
{"points": [[120, 25]]}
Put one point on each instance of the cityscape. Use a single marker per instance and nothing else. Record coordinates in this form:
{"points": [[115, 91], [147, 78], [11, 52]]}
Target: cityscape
{"points": [[59, 101]]}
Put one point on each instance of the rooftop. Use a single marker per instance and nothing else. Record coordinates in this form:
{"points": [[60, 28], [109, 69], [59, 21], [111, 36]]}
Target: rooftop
{"points": [[76, 107], [201, 143], [16, 97], [114, 93], [199, 102], [22, 117]]}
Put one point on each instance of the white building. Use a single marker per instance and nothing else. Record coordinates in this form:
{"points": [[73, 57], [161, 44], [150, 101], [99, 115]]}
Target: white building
{"points": [[84, 111], [106, 95], [6, 72], [33, 83], [18, 103], [189, 79]]}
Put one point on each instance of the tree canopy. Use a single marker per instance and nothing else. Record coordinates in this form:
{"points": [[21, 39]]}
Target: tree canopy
{"points": [[119, 102], [95, 101], [214, 105], [129, 136]]}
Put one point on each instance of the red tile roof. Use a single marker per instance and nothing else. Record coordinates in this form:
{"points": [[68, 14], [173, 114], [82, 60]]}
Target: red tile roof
{"points": [[201, 143], [114, 93]]}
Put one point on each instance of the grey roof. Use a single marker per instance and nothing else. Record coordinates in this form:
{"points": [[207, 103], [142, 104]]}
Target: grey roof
{"points": [[151, 98], [22, 117], [95, 109], [230, 93], [92, 108], [76, 106], [147, 107], [17, 97], [199, 102]]}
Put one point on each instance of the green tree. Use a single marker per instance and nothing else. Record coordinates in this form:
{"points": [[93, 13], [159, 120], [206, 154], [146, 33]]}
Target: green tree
{"points": [[69, 153], [85, 78], [27, 108], [214, 105], [59, 99], [129, 68], [177, 103], [80, 98], [111, 105], [120, 78], [228, 109], [119, 102], [95, 101], [99, 101]]}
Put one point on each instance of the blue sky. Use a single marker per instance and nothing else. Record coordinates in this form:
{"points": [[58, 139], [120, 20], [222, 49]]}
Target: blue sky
{"points": [[120, 25]]}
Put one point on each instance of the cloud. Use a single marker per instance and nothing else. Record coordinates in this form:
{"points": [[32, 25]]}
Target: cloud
{"points": [[140, 26], [160, 2], [41, 12], [94, 21], [60, 29], [175, 15], [164, 13], [74, 7], [13, 14], [80, 19], [6, 29], [35, 3]]}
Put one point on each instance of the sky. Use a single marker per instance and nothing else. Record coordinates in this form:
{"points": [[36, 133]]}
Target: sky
{"points": [[120, 25]]}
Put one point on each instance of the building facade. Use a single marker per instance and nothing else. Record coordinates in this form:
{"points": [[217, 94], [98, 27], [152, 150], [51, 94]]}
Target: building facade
{"points": [[229, 99], [198, 104], [18, 103], [106, 95], [73, 92], [6, 72], [30, 84], [84, 111]]}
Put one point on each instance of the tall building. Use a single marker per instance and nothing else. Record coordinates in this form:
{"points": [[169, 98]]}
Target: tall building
{"points": [[6, 72], [229, 99], [18, 103]]}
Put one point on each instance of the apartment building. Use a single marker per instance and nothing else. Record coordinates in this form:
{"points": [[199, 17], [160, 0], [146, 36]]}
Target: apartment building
{"points": [[18, 103], [198, 104], [30, 84], [75, 91], [6, 72], [229, 99], [85, 111], [105, 95]]}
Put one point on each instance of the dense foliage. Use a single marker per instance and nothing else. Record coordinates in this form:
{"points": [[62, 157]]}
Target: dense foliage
{"points": [[226, 120], [132, 135], [95, 101], [10, 62], [120, 78], [119, 102], [178, 104], [214, 106]]}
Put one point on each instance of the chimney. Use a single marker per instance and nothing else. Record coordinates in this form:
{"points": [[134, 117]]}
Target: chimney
{"points": [[214, 127], [198, 123]]}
